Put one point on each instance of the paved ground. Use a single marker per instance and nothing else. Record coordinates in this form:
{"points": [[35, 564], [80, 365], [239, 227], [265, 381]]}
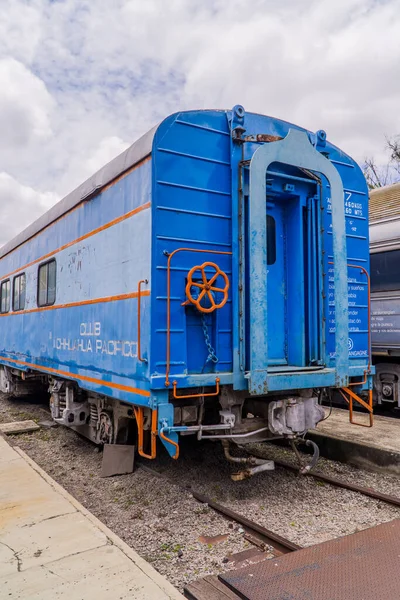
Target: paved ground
{"points": [[370, 447], [384, 433], [51, 547]]}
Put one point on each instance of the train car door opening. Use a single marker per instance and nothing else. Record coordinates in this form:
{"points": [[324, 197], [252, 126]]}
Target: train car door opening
{"points": [[276, 282], [293, 287]]}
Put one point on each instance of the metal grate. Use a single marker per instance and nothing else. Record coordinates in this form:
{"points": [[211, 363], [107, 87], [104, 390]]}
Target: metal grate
{"points": [[364, 565]]}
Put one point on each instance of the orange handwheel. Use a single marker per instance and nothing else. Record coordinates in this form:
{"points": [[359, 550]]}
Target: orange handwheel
{"points": [[206, 287]]}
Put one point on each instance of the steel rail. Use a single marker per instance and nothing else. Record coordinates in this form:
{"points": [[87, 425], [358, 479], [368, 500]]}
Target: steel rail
{"points": [[267, 537], [371, 493], [344, 484], [270, 538]]}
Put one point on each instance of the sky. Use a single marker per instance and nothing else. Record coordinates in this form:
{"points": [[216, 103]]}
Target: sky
{"points": [[81, 80]]}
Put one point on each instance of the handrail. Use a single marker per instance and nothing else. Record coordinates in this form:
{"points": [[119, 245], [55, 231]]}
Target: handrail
{"points": [[138, 410], [369, 323], [217, 380], [139, 295], [168, 361], [368, 406], [352, 396]]}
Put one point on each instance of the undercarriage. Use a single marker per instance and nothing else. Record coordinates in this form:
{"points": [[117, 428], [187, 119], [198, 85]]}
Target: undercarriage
{"points": [[234, 419]]}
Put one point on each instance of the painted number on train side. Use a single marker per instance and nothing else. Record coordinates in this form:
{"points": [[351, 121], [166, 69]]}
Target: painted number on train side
{"points": [[351, 208]]}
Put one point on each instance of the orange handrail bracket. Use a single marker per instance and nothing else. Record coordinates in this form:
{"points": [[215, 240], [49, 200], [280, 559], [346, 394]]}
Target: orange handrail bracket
{"points": [[169, 441], [139, 414], [367, 405], [217, 380], [139, 295], [204, 251]]}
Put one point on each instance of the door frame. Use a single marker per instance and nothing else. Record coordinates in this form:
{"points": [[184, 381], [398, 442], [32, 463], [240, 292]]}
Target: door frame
{"points": [[294, 150]]}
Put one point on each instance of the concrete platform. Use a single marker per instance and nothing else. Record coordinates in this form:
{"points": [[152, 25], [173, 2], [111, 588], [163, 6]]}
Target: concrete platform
{"points": [[376, 448], [51, 547]]}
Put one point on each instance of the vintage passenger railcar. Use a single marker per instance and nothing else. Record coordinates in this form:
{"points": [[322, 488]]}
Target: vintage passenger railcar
{"points": [[211, 280], [385, 296]]}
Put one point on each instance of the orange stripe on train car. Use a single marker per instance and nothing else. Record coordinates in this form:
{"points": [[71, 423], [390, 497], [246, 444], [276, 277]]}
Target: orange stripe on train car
{"points": [[110, 384], [76, 207], [127, 215], [72, 304]]}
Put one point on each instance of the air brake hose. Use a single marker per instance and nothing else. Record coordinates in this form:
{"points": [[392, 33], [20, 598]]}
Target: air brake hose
{"points": [[314, 460]]}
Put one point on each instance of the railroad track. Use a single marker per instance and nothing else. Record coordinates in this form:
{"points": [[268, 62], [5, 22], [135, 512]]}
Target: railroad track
{"points": [[262, 537], [258, 535], [343, 484], [212, 587]]}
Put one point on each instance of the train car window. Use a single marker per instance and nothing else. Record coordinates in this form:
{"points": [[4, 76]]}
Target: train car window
{"points": [[19, 288], [5, 296], [47, 283], [271, 240], [385, 271]]}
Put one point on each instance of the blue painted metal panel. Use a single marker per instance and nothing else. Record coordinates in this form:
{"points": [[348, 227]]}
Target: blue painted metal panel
{"points": [[90, 334], [191, 209], [356, 216], [309, 379]]}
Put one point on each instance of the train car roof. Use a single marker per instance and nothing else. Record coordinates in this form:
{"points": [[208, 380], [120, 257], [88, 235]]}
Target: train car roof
{"points": [[119, 165], [116, 167], [384, 203]]}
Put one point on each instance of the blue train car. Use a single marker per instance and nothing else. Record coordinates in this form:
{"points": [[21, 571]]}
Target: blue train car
{"points": [[211, 280]]}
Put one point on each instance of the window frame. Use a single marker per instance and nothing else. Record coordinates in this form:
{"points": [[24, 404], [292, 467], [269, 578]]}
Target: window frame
{"points": [[271, 240], [388, 280], [3, 283], [13, 292], [44, 264]]}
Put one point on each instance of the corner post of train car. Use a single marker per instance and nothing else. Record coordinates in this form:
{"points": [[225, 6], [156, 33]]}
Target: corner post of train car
{"points": [[165, 412], [236, 121], [340, 278], [296, 150], [257, 236]]}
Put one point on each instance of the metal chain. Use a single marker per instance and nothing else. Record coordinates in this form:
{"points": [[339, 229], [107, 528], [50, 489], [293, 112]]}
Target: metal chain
{"points": [[212, 357]]}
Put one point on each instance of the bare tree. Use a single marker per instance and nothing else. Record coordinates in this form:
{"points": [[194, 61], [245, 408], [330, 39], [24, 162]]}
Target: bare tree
{"points": [[380, 175], [394, 146], [375, 175]]}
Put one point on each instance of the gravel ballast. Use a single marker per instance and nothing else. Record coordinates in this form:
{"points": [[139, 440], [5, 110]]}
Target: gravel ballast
{"points": [[160, 519]]}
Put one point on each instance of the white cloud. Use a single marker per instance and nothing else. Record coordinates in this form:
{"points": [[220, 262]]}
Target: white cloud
{"points": [[106, 150], [25, 106], [20, 29], [80, 80], [20, 205]]}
